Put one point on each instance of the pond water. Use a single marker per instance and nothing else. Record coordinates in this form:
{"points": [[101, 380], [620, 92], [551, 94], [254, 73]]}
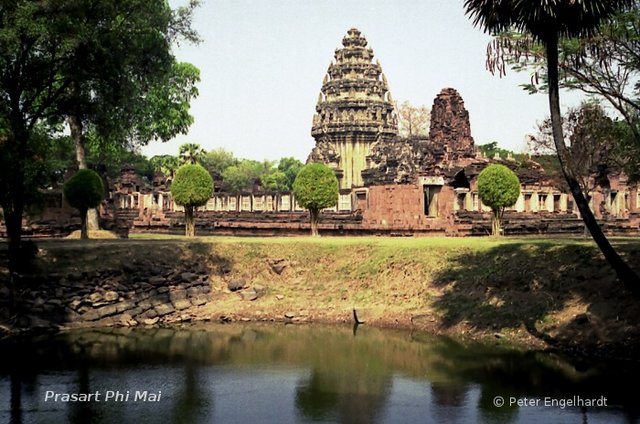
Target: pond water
{"points": [[301, 374]]}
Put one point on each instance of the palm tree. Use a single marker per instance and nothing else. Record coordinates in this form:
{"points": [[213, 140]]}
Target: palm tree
{"points": [[191, 153], [547, 21]]}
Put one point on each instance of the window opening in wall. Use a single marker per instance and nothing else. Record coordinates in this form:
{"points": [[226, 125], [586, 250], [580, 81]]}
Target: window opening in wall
{"points": [[460, 200], [542, 202], [344, 203], [460, 180], [527, 202], [285, 203], [257, 203], [613, 202], [233, 204], [246, 203], [431, 193], [361, 200], [556, 202]]}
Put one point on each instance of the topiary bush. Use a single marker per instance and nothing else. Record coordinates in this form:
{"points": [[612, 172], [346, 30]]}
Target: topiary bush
{"points": [[191, 187], [84, 191], [499, 188], [316, 188]]}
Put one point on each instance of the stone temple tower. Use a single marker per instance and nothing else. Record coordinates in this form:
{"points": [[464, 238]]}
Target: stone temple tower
{"points": [[355, 110]]}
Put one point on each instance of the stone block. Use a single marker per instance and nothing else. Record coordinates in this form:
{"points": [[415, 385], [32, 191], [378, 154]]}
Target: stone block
{"points": [[181, 304], [125, 305], [111, 296], [235, 285], [199, 300], [193, 291], [159, 299], [145, 305], [189, 276], [175, 295], [164, 309], [157, 280], [151, 313]]}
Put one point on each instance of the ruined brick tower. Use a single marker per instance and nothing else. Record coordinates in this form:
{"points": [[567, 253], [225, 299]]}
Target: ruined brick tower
{"points": [[355, 110]]}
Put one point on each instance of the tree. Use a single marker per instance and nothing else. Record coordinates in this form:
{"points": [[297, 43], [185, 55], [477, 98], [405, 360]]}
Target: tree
{"points": [[167, 164], [605, 64], [592, 143], [499, 188], [490, 149], [191, 153], [84, 191], [275, 181], [547, 23], [241, 177], [192, 187], [413, 120], [43, 50], [217, 160], [32, 55], [316, 188], [290, 166], [112, 91]]}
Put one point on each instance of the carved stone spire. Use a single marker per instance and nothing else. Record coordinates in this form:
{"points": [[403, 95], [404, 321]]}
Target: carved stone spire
{"points": [[450, 126], [354, 110]]}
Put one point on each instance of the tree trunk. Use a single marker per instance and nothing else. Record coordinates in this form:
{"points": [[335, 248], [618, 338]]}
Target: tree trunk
{"points": [[13, 199], [625, 274], [189, 226], [84, 230], [13, 222], [496, 223], [314, 215], [77, 134]]}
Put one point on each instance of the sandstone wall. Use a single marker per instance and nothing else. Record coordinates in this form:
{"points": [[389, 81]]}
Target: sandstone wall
{"points": [[128, 296]]}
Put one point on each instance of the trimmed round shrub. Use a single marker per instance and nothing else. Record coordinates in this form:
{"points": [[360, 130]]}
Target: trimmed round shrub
{"points": [[191, 187], [84, 190], [498, 187], [316, 188]]}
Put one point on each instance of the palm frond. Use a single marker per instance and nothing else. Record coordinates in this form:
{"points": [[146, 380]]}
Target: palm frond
{"points": [[566, 18]]}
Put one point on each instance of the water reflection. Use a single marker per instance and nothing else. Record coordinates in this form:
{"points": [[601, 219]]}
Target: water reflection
{"points": [[239, 373]]}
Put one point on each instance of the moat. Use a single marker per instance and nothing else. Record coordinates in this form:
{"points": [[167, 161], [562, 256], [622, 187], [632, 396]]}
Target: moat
{"points": [[237, 373]]}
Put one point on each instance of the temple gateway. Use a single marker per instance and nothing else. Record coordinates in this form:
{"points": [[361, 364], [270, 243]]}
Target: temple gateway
{"points": [[389, 185]]}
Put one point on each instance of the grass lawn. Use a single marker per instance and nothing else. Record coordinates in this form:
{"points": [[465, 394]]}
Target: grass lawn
{"points": [[559, 286]]}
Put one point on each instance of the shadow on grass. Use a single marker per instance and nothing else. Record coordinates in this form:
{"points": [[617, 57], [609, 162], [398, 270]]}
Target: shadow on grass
{"points": [[563, 294]]}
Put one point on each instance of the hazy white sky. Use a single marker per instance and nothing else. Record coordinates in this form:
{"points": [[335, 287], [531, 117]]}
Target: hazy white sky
{"points": [[262, 63]]}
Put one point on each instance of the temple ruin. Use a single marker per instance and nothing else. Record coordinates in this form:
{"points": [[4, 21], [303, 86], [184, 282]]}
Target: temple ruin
{"points": [[389, 185], [355, 111]]}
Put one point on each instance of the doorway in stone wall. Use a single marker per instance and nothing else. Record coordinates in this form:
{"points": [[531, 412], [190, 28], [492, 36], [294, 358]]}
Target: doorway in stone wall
{"points": [[431, 195]]}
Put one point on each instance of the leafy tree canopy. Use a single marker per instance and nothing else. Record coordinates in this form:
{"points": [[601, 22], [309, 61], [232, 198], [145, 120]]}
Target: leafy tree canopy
{"points": [[316, 187], [84, 190], [217, 160], [191, 153], [192, 185], [498, 186]]}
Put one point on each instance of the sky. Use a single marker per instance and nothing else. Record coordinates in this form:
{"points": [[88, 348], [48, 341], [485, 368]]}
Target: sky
{"points": [[262, 63]]}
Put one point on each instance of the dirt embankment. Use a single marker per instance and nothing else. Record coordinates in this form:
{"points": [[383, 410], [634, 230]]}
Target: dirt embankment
{"points": [[542, 293]]}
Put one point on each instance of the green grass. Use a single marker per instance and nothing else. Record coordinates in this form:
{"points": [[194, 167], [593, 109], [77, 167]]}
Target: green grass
{"points": [[396, 242]]}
